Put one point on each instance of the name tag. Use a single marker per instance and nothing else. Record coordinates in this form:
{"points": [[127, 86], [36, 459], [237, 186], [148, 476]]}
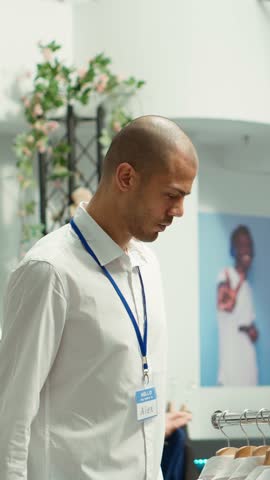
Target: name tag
{"points": [[146, 403]]}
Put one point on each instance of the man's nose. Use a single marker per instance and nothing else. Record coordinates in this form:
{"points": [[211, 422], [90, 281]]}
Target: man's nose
{"points": [[177, 210]]}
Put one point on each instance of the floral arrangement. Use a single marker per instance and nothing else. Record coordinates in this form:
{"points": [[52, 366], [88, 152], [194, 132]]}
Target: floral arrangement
{"points": [[55, 86]]}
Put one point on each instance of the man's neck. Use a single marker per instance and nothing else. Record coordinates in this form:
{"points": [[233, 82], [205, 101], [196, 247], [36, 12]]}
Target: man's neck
{"points": [[105, 215]]}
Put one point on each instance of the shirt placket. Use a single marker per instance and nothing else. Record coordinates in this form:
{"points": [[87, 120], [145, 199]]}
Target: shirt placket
{"points": [[139, 315], [148, 434]]}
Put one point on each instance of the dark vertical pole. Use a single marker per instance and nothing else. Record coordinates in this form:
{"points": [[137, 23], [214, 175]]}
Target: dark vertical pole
{"points": [[71, 139], [100, 120], [42, 190]]}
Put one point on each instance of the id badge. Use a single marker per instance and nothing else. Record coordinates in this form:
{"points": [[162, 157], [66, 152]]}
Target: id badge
{"points": [[146, 403]]}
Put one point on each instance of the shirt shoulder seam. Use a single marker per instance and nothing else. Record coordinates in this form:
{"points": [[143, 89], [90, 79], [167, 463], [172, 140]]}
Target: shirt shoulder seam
{"points": [[57, 273]]}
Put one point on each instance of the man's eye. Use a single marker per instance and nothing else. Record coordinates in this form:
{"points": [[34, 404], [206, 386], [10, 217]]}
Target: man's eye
{"points": [[171, 195]]}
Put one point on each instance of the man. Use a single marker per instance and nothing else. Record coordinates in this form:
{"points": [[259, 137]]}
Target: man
{"points": [[82, 360], [237, 331]]}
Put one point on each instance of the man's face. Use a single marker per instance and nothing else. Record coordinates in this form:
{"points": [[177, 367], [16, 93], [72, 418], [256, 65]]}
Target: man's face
{"points": [[156, 201], [243, 248]]}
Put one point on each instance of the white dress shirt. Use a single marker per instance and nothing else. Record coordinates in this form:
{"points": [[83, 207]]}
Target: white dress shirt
{"points": [[216, 465], [265, 473], [257, 472], [70, 362], [245, 466]]}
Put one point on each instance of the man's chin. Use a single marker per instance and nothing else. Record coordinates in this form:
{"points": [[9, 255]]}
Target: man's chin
{"points": [[147, 237]]}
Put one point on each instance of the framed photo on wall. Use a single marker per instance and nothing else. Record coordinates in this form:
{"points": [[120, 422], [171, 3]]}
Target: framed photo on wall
{"points": [[234, 300]]}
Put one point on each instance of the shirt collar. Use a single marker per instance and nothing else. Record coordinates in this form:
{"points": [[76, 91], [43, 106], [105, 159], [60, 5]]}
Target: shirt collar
{"points": [[103, 245]]}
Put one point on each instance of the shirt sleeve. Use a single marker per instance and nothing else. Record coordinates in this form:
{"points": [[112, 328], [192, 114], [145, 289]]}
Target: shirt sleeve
{"points": [[34, 317]]}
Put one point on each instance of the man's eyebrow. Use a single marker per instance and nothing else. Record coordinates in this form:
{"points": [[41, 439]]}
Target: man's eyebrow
{"points": [[180, 191]]}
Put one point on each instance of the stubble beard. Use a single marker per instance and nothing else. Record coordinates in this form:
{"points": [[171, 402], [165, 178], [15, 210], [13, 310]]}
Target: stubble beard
{"points": [[138, 231]]}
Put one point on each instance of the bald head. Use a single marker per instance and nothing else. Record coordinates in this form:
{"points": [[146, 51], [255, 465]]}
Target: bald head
{"points": [[145, 143]]}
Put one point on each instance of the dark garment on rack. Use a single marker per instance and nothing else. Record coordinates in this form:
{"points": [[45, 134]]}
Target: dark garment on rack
{"points": [[177, 458], [191, 471], [172, 463]]}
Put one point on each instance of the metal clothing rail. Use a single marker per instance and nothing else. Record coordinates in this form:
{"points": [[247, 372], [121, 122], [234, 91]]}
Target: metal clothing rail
{"points": [[221, 419]]}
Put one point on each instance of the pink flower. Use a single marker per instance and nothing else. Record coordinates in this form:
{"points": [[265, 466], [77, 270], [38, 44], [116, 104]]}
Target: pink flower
{"points": [[100, 88], [47, 54], [52, 126], [102, 83], [104, 78], [26, 151], [38, 126], [116, 126], [44, 128], [81, 72], [37, 110], [26, 102], [60, 78], [30, 139], [20, 178], [41, 146]]}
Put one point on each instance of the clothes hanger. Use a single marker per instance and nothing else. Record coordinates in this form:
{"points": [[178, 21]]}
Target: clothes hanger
{"points": [[267, 458], [226, 450], [267, 454], [246, 450], [261, 449]]}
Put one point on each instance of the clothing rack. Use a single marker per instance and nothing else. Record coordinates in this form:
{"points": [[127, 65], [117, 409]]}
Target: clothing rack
{"points": [[221, 419]]}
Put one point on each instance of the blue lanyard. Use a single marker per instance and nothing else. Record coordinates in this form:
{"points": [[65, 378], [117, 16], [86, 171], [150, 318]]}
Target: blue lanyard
{"points": [[142, 341]]}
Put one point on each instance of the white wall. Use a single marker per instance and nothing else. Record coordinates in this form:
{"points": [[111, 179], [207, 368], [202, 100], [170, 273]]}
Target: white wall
{"points": [[23, 24], [228, 66], [199, 58], [9, 220], [177, 250], [235, 180]]}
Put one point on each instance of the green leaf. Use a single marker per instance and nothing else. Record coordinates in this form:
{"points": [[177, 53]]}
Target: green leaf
{"points": [[140, 83], [30, 207], [52, 46], [60, 172]]}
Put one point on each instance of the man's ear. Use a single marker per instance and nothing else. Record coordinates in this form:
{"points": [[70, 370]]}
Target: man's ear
{"points": [[126, 177]]}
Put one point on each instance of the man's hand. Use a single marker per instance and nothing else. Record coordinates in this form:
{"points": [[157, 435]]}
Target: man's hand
{"points": [[176, 420], [227, 296], [253, 333]]}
